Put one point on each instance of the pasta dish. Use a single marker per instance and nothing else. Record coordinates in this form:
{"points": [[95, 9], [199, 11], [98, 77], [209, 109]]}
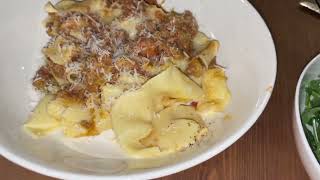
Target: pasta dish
{"points": [[131, 67]]}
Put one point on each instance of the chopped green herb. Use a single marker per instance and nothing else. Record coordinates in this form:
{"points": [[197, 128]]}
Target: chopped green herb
{"points": [[311, 116]]}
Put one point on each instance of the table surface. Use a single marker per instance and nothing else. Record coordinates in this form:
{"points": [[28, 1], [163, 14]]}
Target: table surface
{"points": [[267, 151]]}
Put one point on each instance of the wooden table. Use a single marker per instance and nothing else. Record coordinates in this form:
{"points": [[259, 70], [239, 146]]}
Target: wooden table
{"points": [[267, 151]]}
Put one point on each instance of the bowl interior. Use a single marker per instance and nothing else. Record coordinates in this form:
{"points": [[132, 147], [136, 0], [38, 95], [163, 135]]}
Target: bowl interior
{"points": [[247, 52]]}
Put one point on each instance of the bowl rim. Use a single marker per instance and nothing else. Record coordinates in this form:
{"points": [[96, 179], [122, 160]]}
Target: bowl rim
{"points": [[298, 120], [170, 169]]}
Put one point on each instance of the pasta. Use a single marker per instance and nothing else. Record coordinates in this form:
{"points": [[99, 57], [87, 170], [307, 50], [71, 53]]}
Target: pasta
{"points": [[130, 67], [217, 94], [60, 53], [41, 122], [141, 121]]}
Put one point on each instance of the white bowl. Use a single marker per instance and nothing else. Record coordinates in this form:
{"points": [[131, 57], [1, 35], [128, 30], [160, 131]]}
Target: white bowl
{"points": [[247, 50], [311, 71]]}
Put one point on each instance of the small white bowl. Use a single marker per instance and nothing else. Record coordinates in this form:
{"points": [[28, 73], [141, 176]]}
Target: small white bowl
{"points": [[311, 71], [247, 51]]}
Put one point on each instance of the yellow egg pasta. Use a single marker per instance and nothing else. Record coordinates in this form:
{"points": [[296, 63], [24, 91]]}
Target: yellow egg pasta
{"points": [[217, 94], [134, 115], [41, 122], [208, 54], [58, 52], [200, 42], [102, 120]]}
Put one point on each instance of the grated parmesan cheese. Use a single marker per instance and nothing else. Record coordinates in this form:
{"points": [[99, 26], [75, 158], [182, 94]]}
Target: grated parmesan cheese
{"points": [[109, 33]]}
